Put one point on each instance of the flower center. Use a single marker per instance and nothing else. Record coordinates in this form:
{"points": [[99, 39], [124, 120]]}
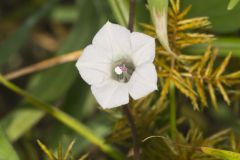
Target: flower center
{"points": [[122, 70]]}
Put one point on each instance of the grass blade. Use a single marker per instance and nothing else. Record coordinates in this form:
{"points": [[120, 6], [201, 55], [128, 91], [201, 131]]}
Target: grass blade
{"points": [[48, 153], [120, 10], [69, 121], [223, 154], [66, 155], [25, 117], [232, 4], [6, 150]]}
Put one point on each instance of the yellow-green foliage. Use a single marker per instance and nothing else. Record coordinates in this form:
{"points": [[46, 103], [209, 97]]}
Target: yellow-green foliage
{"points": [[199, 78], [67, 154], [195, 76], [191, 74]]}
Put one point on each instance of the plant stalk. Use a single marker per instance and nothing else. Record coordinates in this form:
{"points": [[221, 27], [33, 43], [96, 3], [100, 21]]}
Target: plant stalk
{"points": [[136, 147], [126, 109], [51, 62], [131, 15], [173, 126]]}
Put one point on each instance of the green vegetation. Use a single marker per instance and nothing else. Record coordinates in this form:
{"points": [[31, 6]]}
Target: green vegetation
{"points": [[48, 112]]}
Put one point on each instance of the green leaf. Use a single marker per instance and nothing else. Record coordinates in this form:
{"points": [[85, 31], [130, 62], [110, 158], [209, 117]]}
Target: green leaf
{"points": [[17, 39], [66, 119], [223, 20], [79, 103], [6, 150], [65, 14], [224, 44], [232, 4], [24, 117], [120, 10], [223, 154], [45, 85]]}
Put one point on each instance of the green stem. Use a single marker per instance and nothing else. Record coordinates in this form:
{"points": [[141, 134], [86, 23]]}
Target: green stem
{"points": [[69, 121], [120, 11], [173, 125]]}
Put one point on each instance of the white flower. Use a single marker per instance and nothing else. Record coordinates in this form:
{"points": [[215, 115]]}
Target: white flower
{"points": [[118, 64]]}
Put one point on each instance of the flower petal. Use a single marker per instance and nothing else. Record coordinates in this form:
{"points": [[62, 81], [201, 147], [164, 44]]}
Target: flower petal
{"points": [[111, 94], [113, 38], [143, 81], [94, 66], [143, 48]]}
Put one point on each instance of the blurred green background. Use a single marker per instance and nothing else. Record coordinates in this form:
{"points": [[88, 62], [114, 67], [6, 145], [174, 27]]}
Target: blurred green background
{"points": [[34, 30]]}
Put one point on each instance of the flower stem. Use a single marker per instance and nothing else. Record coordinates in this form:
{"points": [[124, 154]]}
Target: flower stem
{"points": [[131, 15], [131, 123], [126, 109], [173, 125]]}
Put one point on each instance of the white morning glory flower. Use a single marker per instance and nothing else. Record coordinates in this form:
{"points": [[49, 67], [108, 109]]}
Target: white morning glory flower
{"points": [[118, 64]]}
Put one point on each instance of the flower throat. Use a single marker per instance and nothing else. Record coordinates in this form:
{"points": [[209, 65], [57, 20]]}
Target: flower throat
{"points": [[122, 70]]}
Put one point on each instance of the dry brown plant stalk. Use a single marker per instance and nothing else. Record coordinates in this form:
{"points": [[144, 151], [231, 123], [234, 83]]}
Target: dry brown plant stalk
{"points": [[73, 56]]}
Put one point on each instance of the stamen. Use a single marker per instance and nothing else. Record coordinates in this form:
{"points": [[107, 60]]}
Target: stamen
{"points": [[122, 70], [118, 70]]}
